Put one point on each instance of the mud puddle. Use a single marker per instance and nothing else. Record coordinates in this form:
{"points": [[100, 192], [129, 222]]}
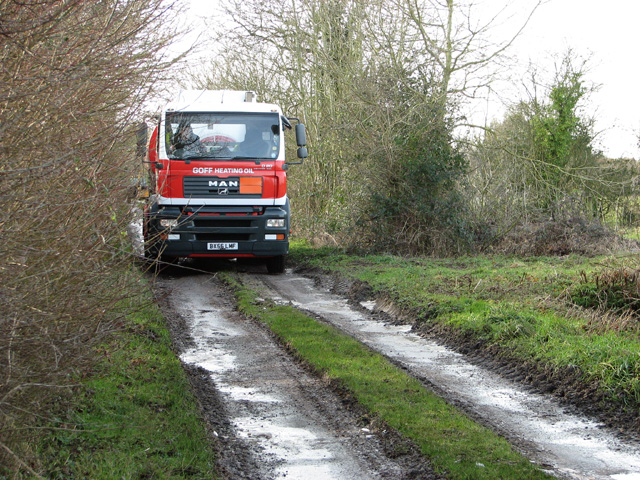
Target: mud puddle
{"points": [[567, 445], [285, 422]]}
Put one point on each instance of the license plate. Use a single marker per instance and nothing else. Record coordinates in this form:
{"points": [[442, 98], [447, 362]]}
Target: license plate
{"points": [[222, 246]]}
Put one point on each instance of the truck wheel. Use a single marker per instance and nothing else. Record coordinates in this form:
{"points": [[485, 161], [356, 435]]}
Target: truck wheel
{"points": [[150, 255], [275, 265], [153, 252], [150, 247]]}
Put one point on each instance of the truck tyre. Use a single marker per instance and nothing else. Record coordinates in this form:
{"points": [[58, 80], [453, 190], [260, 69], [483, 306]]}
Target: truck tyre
{"points": [[275, 265], [150, 248], [150, 254]]}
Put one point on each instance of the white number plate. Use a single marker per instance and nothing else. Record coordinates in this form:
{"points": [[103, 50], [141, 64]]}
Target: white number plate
{"points": [[222, 246]]}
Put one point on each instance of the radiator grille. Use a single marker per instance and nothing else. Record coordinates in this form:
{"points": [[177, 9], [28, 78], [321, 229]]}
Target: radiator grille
{"points": [[208, 187]]}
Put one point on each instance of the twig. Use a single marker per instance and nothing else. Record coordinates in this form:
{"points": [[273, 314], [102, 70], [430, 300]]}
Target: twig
{"points": [[22, 463]]}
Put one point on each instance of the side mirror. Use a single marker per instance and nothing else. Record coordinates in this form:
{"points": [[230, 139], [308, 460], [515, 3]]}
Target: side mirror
{"points": [[301, 135], [301, 140]]}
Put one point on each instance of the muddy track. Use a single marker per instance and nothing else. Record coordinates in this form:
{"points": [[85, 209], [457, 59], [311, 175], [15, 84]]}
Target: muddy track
{"points": [[566, 385], [546, 430], [549, 432], [267, 415]]}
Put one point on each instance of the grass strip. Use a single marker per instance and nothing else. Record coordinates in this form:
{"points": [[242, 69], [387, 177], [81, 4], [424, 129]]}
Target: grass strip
{"points": [[455, 445], [135, 416]]}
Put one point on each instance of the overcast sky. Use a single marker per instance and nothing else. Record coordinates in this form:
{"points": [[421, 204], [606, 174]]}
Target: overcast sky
{"points": [[607, 32]]}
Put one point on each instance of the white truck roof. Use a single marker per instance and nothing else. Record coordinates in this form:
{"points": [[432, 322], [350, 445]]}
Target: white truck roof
{"points": [[219, 101]]}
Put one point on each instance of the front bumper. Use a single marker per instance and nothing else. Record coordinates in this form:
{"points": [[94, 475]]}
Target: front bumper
{"points": [[222, 231]]}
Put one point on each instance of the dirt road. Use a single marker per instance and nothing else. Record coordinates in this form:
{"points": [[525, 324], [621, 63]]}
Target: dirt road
{"points": [[270, 417], [276, 421]]}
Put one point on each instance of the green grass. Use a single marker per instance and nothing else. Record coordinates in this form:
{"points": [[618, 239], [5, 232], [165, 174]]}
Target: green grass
{"points": [[523, 305], [134, 416], [454, 444]]}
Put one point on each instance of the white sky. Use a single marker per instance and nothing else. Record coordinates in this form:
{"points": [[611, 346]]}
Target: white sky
{"points": [[607, 32]]}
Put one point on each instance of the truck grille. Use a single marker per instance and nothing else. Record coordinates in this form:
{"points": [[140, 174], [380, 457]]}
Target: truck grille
{"points": [[221, 222], [208, 187]]}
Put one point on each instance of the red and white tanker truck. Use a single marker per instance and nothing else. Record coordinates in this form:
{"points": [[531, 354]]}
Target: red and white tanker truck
{"points": [[218, 185]]}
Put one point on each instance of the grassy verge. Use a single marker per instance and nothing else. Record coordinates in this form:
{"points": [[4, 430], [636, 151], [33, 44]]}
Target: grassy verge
{"points": [[455, 445], [134, 415], [523, 305]]}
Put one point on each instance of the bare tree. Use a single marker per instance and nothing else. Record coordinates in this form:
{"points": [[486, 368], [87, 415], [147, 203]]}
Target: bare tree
{"points": [[364, 77], [447, 42]]}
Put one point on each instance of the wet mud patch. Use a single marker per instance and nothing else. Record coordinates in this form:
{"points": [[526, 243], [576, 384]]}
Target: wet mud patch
{"points": [[566, 384], [233, 460], [394, 445]]}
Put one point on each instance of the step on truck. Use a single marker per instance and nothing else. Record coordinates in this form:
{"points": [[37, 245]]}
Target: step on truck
{"points": [[218, 179]]}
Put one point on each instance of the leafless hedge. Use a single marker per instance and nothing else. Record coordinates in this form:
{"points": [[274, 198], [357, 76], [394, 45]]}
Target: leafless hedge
{"points": [[73, 75]]}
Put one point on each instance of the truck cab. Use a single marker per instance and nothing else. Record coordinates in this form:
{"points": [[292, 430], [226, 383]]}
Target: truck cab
{"points": [[219, 179]]}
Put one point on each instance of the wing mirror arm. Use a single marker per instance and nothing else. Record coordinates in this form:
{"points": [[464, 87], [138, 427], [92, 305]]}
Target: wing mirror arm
{"points": [[157, 165]]}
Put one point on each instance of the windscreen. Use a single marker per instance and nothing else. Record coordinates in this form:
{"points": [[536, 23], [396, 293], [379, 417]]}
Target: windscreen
{"points": [[222, 136]]}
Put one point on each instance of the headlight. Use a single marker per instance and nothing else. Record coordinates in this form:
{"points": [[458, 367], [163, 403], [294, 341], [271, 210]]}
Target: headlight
{"points": [[168, 223], [275, 223]]}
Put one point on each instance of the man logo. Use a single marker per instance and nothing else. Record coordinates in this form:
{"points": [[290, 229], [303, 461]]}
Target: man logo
{"points": [[224, 183], [213, 186]]}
